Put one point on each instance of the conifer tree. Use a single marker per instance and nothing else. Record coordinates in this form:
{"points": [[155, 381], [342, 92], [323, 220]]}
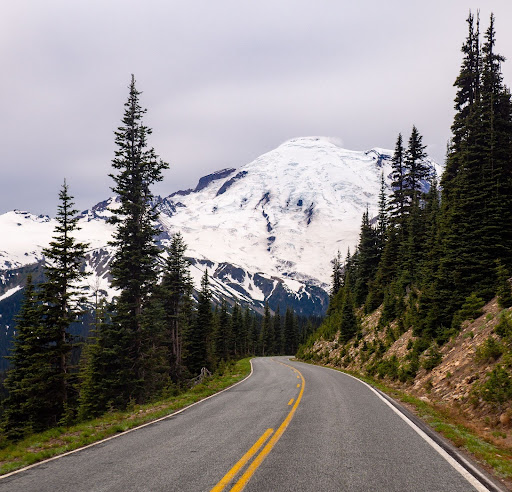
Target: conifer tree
{"points": [[267, 339], [475, 212], [250, 332], [239, 331], [278, 332], [290, 333], [367, 259], [398, 199], [176, 299], [223, 336], [27, 371], [200, 334], [504, 290], [61, 301], [382, 223], [348, 314], [337, 274], [127, 341], [416, 168]]}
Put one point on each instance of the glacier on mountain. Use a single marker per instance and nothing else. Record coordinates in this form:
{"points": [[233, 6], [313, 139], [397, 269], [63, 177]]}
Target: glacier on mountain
{"points": [[266, 231]]}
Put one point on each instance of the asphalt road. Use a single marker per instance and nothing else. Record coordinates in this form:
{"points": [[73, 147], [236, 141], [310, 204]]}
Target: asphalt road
{"points": [[328, 432]]}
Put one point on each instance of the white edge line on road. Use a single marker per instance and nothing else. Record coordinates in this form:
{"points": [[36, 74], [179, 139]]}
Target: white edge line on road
{"points": [[125, 432], [457, 466]]}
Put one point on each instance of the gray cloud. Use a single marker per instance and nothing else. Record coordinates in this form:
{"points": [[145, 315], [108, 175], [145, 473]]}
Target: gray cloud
{"points": [[223, 82]]}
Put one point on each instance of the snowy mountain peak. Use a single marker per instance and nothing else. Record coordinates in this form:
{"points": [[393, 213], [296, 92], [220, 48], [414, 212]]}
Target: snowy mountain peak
{"points": [[266, 231]]}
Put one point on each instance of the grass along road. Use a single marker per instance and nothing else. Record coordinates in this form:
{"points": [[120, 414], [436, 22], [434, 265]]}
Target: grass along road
{"points": [[60, 440]]}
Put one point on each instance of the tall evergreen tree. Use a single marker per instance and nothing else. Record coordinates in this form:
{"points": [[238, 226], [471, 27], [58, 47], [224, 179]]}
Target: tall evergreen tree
{"points": [[416, 168], [26, 378], [367, 259], [176, 298], [398, 201], [382, 223], [267, 339], [200, 334], [348, 315], [290, 333], [61, 304], [129, 338], [337, 274], [239, 332], [224, 342]]}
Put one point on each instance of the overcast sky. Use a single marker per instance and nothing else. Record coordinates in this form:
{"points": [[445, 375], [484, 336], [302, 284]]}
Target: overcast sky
{"points": [[223, 82]]}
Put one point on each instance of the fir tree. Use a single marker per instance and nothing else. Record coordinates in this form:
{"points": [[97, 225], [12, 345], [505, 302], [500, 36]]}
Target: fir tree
{"points": [[176, 298], [290, 333], [267, 339], [239, 332], [367, 259], [504, 290], [398, 200], [199, 337], [127, 341], [61, 300], [278, 332], [348, 315], [337, 274], [416, 169], [224, 342], [382, 223], [26, 377]]}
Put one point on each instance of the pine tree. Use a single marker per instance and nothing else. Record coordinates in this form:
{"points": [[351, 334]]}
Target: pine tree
{"points": [[367, 259], [267, 339], [224, 342], [199, 336], [416, 169], [504, 290], [290, 333], [176, 299], [61, 299], [476, 202], [337, 274], [127, 342], [278, 332], [398, 199], [382, 223], [497, 168], [239, 332], [348, 315], [25, 379]]}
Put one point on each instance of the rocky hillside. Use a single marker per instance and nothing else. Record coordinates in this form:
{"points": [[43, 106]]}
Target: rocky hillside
{"points": [[464, 377]]}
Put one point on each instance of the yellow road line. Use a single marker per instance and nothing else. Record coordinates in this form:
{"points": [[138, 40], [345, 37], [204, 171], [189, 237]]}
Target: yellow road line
{"points": [[298, 385], [243, 460], [242, 482], [290, 402]]}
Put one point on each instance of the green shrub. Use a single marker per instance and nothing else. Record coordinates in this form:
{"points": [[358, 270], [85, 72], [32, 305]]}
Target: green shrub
{"points": [[388, 367], [490, 350], [498, 387], [408, 371], [433, 358], [504, 327]]}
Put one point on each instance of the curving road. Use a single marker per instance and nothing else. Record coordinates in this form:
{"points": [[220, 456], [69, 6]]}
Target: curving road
{"points": [[288, 427]]}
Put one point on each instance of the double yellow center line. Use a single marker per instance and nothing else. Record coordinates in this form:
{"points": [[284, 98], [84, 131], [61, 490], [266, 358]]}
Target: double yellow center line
{"points": [[242, 481]]}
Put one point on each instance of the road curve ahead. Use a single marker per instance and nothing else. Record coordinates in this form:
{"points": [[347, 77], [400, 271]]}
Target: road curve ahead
{"points": [[288, 427]]}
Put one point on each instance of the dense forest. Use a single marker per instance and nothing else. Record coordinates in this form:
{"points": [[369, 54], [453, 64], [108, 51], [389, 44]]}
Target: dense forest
{"points": [[156, 337], [432, 259]]}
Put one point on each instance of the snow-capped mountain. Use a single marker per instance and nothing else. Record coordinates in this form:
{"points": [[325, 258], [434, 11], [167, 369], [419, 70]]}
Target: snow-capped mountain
{"points": [[266, 231]]}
